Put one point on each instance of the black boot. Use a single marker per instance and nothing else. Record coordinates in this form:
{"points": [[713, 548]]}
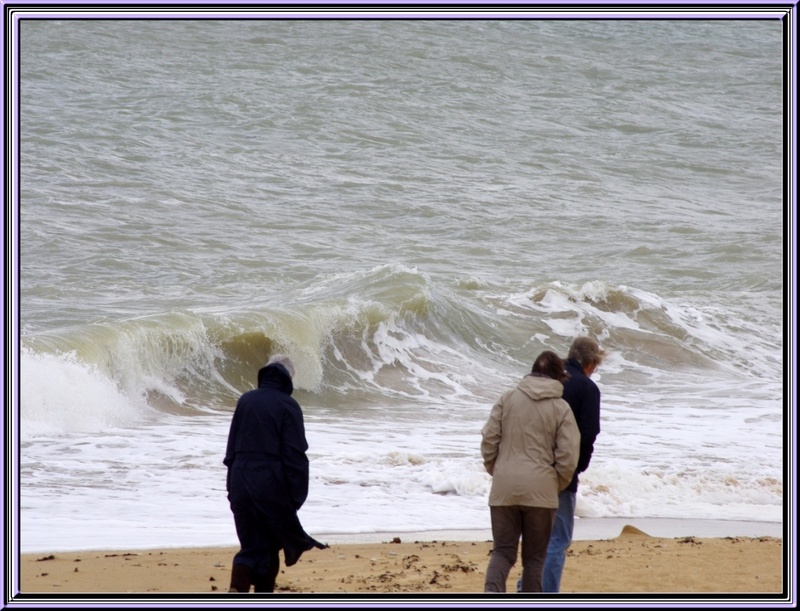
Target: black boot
{"points": [[240, 578], [265, 584]]}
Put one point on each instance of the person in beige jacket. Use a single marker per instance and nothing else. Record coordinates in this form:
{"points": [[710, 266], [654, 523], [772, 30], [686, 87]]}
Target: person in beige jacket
{"points": [[530, 446]]}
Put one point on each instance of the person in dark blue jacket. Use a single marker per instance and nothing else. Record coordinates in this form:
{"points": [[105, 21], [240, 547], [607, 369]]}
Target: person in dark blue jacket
{"points": [[267, 478]]}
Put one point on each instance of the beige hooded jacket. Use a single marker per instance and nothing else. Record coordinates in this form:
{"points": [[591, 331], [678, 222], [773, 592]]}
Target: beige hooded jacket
{"points": [[530, 444]]}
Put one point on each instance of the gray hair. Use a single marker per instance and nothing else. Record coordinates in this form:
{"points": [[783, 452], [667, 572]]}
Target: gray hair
{"points": [[586, 351], [282, 359]]}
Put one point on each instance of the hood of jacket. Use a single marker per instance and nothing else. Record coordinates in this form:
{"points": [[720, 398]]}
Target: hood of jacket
{"points": [[538, 388], [275, 376]]}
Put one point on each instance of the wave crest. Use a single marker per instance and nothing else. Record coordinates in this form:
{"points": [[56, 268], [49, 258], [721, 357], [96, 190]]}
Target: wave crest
{"points": [[388, 334]]}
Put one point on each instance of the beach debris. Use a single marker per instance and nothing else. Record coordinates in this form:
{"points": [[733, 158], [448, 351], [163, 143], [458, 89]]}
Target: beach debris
{"points": [[409, 561], [460, 566], [50, 557], [396, 540], [436, 577]]}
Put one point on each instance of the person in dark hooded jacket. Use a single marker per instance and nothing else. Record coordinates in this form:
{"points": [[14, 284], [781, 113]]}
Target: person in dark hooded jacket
{"points": [[267, 478]]}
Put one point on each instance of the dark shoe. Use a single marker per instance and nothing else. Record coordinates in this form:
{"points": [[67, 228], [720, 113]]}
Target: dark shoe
{"points": [[265, 585], [240, 578]]}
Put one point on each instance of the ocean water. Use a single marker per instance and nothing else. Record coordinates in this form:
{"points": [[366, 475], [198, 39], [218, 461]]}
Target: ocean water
{"points": [[412, 210]]}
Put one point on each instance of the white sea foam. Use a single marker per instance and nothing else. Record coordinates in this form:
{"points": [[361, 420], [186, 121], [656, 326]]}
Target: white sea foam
{"points": [[50, 403]]}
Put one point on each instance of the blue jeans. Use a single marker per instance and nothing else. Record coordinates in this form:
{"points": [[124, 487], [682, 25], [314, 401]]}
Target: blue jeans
{"points": [[560, 539]]}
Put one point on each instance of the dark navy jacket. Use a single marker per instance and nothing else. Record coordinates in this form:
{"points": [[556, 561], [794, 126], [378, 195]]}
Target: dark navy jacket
{"points": [[583, 397], [266, 460]]}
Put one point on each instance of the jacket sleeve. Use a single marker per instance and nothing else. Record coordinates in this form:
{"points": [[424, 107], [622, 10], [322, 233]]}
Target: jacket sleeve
{"points": [[293, 455], [589, 424], [230, 450], [567, 450], [490, 436]]}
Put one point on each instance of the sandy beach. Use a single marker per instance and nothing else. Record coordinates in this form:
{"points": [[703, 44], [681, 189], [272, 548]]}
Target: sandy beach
{"points": [[631, 562]]}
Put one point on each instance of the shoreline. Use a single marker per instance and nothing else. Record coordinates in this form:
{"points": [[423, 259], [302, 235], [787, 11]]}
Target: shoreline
{"points": [[589, 529], [632, 560], [586, 529]]}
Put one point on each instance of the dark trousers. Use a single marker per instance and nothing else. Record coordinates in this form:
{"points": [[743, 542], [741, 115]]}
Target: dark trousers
{"points": [[259, 550], [509, 523]]}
